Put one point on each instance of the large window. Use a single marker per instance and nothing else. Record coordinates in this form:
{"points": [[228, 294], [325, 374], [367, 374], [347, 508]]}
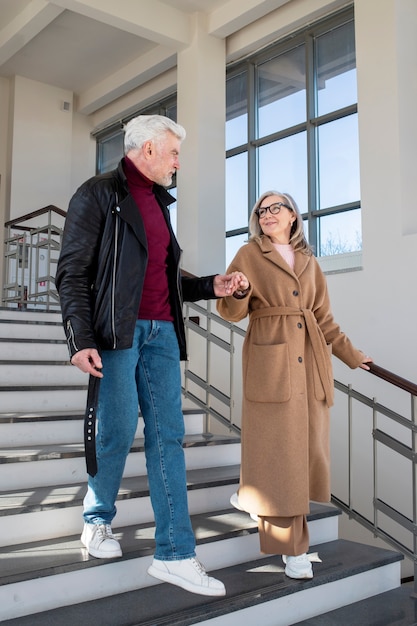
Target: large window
{"points": [[292, 126]]}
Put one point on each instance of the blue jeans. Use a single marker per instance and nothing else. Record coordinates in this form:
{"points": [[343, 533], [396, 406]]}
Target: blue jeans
{"points": [[146, 375]]}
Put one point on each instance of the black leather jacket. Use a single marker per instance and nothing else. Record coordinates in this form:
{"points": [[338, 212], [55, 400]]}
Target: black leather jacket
{"points": [[102, 265]]}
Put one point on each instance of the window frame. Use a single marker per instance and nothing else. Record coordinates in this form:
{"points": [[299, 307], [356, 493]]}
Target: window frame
{"points": [[311, 126]]}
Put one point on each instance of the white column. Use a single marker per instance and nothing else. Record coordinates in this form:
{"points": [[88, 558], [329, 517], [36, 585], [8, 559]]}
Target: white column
{"points": [[201, 179], [386, 49]]}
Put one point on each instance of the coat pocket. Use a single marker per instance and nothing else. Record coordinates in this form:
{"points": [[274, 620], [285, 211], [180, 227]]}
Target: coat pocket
{"points": [[268, 373]]}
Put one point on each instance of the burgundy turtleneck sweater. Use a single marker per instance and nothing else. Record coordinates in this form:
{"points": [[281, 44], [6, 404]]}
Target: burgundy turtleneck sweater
{"points": [[154, 304]]}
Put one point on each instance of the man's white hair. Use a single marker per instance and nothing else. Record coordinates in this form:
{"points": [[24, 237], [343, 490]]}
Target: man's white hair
{"points": [[145, 128]]}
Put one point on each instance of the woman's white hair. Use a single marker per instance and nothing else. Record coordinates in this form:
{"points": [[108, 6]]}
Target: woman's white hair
{"points": [[145, 128], [297, 237]]}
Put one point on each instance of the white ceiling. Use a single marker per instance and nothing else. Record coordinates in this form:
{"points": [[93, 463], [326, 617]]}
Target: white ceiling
{"points": [[100, 49]]}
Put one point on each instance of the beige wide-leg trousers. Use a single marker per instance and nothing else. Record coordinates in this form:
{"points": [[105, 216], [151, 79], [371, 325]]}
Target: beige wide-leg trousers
{"points": [[284, 535]]}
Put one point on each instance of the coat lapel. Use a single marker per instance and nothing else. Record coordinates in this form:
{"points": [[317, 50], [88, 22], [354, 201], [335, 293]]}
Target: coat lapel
{"points": [[270, 253]]}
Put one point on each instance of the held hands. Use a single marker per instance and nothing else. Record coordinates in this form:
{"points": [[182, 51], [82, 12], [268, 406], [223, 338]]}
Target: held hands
{"points": [[88, 361], [228, 284]]}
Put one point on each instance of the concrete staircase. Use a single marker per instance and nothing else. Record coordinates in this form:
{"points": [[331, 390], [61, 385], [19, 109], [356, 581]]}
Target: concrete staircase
{"points": [[46, 577]]}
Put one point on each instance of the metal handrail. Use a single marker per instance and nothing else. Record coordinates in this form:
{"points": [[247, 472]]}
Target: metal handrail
{"points": [[32, 246], [199, 387], [51, 208]]}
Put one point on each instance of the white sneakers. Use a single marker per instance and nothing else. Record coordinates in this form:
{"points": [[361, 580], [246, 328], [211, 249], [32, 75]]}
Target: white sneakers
{"points": [[188, 574], [100, 541], [234, 501], [295, 566], [298, 566]]}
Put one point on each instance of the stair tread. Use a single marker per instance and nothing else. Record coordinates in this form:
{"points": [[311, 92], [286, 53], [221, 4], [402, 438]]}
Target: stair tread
{"points": [[50, 416], [37, 416], [52, 556], [58, 496], [26, 340], [392, 607], [70, 450], [47, 497], [49, 387], [12, 314], [66, 554], [247, 584]]}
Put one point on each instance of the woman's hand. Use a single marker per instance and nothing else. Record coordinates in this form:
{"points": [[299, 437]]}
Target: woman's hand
{"points": [[228, 284], [366, 360]]}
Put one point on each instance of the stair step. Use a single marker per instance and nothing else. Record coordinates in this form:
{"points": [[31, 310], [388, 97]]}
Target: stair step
{"points": [[22, 316], [56, 427], [62, 398], [45, 512], [33, 466], [392, 607], [258, 592], [74, 450], [63, 496], [31, 329], [17, 374], [40, 513], [33, 349]]}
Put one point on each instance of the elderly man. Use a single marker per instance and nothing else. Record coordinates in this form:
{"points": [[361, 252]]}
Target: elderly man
{"points": [[121, 295]]}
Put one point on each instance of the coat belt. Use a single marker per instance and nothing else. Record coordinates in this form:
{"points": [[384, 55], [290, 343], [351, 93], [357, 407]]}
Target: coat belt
{"points": [[317, 339]]}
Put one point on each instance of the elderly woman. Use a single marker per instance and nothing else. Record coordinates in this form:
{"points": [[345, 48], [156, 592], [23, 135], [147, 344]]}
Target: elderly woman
{"points": [[287, 378]]}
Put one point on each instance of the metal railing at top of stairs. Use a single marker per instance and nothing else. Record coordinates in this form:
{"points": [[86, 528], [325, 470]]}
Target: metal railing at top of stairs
{"points": [[32, 246], [374, 445]]}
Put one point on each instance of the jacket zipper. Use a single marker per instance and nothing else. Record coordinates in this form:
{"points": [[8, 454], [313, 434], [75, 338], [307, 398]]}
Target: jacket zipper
{"points": [[113, 290], [70, 338], [179, 297]]}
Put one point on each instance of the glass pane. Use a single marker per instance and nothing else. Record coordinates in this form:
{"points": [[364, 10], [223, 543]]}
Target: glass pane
{"points": [[336, 69], [305, 226], [237, 192], [281, 92], [171, 112], [173, 209], [340, 233], [338, 157], [232, 246], [110, 152], [283, 167], [236, 111]]}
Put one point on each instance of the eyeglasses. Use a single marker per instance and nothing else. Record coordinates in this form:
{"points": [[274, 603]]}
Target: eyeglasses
{"points": [[274, 209]]}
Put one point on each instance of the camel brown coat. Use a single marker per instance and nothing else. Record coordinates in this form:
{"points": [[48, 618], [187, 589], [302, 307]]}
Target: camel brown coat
{"points": [[287, 379]]}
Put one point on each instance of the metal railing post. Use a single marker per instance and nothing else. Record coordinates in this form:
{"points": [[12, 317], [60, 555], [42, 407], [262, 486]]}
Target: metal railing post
{"points": [[350, 446], [414, 487], [374, 463], [208, 371]]}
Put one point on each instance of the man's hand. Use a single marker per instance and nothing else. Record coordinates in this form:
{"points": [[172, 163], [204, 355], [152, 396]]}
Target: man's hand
{"points": [[227, 284], [88, 361]]}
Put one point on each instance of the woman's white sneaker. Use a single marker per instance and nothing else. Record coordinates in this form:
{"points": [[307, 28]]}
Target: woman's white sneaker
{"points": [[298, 566], [100, 541], [188, 574], [234, 501]]}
